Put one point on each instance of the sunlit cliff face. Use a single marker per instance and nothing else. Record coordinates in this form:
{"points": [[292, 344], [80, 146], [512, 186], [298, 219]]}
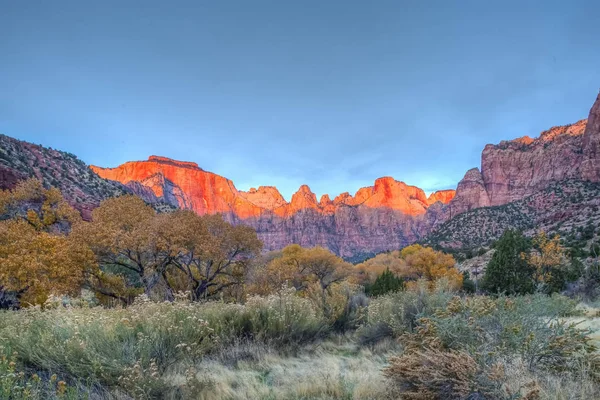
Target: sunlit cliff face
{"points": [[208, 193]]}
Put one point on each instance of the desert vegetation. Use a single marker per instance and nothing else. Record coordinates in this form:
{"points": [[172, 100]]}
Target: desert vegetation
{"points": [[137, 304]]}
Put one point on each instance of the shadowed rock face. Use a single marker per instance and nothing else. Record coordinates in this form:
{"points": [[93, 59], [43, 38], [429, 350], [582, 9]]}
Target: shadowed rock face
{"points": [[514, 169], [590, 167]]}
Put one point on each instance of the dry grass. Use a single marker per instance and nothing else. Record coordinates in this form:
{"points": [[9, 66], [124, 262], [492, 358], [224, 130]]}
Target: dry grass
{"points": [[334, 369]]}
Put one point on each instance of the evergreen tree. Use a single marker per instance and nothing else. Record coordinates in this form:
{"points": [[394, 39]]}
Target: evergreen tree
{"points": [[509, 270], [385, 283]]}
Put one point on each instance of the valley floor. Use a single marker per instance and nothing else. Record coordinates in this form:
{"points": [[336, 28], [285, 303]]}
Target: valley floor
{"points": [[276, 348]]}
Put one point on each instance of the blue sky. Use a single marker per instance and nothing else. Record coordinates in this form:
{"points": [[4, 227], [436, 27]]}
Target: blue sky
{"points": [[333, 94]]}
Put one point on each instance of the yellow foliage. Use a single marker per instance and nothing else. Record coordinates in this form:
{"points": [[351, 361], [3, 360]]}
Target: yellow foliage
{"points": [[42, 208], [309, 270], [163, 253], [368, 271], [36, 264], [424, 262], [550, 254]]}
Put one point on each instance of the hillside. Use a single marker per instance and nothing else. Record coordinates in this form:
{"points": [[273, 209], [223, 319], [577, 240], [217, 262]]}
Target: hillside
{"points": [[563, 207]]}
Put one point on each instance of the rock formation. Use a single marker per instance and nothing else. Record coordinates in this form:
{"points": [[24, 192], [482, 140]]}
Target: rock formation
{"points": [[377, 218], [387, 215], [515, 169], [590, 167], [443, 196]]}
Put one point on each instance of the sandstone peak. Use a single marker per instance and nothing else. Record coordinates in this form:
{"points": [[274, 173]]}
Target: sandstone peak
{"points": [[473, 175], [386, 181], [341, 198], [267, 197], [166, 160], [304, 189], [443, 196], [552, 134], [325, 200], [303, 198]]}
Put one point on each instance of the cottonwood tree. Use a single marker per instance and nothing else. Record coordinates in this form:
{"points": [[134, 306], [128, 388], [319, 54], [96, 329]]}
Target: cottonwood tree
{"points": [[305, 267], [131, 255], [212, 254], [427, 263], [36, 258], [370, 270]]}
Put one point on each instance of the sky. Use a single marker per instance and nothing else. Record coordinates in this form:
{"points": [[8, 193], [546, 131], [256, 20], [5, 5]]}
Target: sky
{"points": [[333, 94]]}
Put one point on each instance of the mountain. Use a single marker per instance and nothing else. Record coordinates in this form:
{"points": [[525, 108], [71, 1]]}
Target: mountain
{"points": [[551, 182], [186, 185], [515, 169], [377, 218], [80, 186]]}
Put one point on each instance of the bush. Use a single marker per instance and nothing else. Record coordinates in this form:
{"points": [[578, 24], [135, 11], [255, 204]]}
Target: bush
{"points": [[387, 282], [396, 313], [124, 347], [434, 374], [527, 327]]}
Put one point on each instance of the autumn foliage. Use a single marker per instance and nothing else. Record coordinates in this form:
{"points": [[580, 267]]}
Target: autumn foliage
{"points": [[36, 256], [412, 263], [128, 249]]}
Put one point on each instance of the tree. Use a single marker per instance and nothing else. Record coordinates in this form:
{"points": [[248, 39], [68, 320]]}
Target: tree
{"points": [[550, 263], [509, 270], [130, 254], [44, 209], [427, 263], [36, 264], [36, 257], [385, 283], [368, 271], [304, 267], [211, 254]]}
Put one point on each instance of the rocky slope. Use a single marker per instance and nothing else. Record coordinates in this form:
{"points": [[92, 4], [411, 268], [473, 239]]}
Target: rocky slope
{"points": [[562, 207], [82, 188]]}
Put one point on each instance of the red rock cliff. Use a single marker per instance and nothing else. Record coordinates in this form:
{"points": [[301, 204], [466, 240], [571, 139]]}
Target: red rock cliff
{"points": [[514, 169]]}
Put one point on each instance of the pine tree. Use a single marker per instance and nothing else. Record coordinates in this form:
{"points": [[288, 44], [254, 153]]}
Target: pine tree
{"points": [[509, 270]]}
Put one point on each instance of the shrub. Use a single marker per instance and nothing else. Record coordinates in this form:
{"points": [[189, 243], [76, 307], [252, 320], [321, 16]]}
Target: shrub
{"points": [[527, 327], [126, 346], [434, 374], [397, 313], [16, 384]]}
